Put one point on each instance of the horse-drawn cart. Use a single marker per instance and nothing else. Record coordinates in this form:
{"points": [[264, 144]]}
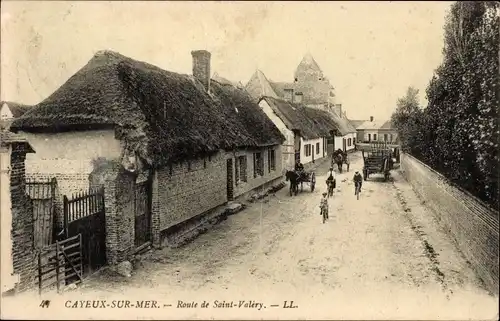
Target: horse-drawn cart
{"points": [[300, 177], [377, 158]]}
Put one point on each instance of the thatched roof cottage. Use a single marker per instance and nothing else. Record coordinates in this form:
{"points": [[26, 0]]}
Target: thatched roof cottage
{"points": [[306, 129], [120, 122]]}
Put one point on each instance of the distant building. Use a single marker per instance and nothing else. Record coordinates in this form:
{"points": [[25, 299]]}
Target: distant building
{"points": [[310, 86], [374, 130], [9, 111], [306, 130], [224, 81]]}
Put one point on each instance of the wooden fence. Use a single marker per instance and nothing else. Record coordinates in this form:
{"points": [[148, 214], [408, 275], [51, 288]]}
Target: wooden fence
{"points": [[42, 194]]}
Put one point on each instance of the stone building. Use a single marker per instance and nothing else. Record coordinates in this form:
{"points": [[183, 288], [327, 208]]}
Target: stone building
{"points": [[377, 130]]}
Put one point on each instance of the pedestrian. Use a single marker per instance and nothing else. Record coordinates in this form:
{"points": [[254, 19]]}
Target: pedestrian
{"points": [[324, 205], [358, 180], [331, 182]]}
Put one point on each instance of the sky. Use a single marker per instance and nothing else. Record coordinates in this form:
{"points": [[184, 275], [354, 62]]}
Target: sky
{"points": [[370, 51]]}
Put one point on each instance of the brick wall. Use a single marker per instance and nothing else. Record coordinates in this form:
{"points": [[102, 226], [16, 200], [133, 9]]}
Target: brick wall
{"points": [[119, 202], [473, 226], [189, 189], [23, 254]]}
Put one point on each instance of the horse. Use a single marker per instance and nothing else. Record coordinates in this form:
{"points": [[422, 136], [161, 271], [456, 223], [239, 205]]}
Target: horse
{"points": [[340, 158], [293, 177]]}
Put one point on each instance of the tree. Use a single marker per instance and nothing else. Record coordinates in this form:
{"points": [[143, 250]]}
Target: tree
{"points": [[457, 134], [406, 120]]}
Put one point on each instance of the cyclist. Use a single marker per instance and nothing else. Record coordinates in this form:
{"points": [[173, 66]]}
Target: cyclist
{"points": [[358, 180]]}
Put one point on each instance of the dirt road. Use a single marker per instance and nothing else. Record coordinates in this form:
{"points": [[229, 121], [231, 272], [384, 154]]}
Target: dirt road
{"points": [[379, 257]]}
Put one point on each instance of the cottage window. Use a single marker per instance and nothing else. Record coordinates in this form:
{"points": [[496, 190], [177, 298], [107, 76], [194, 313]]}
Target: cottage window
{"points": [[390, 138], [271, 157], [354, 141], [258, 165], [241, 169], [317, 148], [374, 136], [369, 137], [307, 150], [385, 137]]}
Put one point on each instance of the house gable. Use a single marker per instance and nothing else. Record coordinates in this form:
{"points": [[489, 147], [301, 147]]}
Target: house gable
{"points": [[5, 112]]}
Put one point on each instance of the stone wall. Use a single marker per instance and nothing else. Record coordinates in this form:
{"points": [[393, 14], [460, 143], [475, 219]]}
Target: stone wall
{"points": [[473, 226]]}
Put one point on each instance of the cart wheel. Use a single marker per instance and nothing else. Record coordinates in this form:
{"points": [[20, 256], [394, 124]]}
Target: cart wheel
{"points": [[386, 176], [365, 174], [312, 186]]}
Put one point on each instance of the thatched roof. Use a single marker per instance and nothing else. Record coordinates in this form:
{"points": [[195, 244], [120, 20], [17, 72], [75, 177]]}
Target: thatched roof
{"points": [[322, 120], [164, 116], [311, 123], [16, 109], [344, 125]]}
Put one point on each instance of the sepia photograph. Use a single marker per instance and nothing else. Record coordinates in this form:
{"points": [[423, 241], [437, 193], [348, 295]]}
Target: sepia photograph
{"points": [[249, 160]]}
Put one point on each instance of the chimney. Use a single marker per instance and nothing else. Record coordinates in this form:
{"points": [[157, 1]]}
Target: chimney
{"points": [[371, 118], [201, 67]]}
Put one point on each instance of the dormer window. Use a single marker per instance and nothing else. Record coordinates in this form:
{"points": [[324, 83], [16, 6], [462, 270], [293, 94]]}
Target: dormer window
{"points": [[320, 78], [296, 79]]}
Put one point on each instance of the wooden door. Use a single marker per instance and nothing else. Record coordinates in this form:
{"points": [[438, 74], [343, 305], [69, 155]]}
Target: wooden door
{"points": [[142, 212]]}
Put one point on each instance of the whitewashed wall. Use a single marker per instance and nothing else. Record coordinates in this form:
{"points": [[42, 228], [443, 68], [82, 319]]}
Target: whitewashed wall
{"points": [[287, 148], [68, 156]]}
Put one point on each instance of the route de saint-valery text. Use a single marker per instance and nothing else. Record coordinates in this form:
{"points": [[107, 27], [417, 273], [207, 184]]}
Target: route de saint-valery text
{"points": [[153, 304]]}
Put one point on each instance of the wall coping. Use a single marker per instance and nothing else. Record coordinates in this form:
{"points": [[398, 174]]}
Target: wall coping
{"points": [[452, 184]]}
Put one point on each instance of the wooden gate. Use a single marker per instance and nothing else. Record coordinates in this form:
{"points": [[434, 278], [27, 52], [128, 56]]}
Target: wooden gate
{"points": [[84, 214], [60, 263], [142, 213], [42, 195]]}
